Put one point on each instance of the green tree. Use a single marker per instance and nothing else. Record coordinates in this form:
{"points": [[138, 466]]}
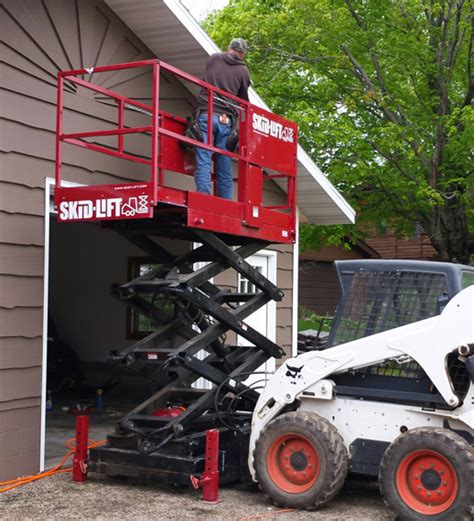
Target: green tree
{"points": [[383, 92]]}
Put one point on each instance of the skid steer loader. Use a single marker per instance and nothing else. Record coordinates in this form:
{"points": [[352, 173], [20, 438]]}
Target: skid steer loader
{"points": [[392, 396]]}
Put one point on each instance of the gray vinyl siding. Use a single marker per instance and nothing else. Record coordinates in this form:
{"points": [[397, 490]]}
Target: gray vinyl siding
{"points": [[284, 326]]}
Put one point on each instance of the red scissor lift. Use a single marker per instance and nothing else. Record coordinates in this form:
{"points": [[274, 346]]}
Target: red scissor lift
{"points": [[164, 437]]}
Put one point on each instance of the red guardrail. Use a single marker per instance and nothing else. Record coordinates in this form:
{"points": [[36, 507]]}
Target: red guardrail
{"points": [[267, 150]]}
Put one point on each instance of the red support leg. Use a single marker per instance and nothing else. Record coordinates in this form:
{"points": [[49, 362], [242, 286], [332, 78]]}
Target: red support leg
{"points": [[79, 464], [209, 481]]}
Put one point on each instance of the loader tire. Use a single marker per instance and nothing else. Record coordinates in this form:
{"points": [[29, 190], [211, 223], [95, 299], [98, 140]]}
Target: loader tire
{"points": [[428, 474], [300, 461]]}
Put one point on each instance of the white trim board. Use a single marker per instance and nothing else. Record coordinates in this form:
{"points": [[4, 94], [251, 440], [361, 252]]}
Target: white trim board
{"points": [[49, 185], [295, 289]]}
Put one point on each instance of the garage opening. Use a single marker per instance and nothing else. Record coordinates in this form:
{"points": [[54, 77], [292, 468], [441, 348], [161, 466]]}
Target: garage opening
{"points": [[85, 323]]}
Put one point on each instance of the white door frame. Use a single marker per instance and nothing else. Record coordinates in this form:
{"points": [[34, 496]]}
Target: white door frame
{"points": [[272, 277], [295, 282], [49, 185]]}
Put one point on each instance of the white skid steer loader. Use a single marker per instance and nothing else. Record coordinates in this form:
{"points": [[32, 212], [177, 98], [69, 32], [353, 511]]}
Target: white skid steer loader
{"points": [[398, 403]]}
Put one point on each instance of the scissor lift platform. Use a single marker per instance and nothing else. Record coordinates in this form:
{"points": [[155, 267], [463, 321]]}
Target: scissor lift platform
{"points": [[163, 438]]}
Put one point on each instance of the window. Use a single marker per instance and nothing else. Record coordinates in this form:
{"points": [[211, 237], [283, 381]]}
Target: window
{"points": [[140, 324], [467, 279], [245, 286]]}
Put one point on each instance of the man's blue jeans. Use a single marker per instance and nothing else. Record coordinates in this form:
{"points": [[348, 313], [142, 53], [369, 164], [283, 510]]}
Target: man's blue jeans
{"points": [[202, 174]]}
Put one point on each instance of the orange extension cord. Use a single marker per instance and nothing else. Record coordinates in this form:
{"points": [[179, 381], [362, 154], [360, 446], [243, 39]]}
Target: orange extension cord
{"points": [[58, 469]]}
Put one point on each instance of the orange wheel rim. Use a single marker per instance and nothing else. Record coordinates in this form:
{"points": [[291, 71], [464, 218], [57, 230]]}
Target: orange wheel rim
{"points": [[427, 482], [293, 463]]}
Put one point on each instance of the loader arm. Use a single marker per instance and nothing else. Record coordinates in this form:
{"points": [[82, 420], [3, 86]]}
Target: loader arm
{"points": [[428, 342]]}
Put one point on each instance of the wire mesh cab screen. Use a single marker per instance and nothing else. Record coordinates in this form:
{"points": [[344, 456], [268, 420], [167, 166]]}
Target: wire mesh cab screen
{"points": [[378, 298], [381, 300]]}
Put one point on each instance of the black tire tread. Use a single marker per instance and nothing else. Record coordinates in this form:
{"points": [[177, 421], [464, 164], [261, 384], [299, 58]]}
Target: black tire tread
{"points": [[339, 464], [459, 446]]}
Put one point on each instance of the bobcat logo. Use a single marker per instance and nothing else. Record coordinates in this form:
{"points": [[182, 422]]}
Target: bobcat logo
{"points": [[294, 373]]}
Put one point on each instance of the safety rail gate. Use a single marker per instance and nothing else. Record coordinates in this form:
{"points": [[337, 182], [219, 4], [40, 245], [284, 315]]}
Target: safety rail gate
{"points": [[267, 151], [164, 437]]}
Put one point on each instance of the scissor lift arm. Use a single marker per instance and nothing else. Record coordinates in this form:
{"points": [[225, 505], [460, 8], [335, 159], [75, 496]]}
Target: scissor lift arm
{"points": [[153, 442]]}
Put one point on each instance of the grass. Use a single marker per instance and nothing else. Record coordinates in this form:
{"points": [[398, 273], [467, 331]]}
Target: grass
{"points": [[304, 324], [308, 319]]}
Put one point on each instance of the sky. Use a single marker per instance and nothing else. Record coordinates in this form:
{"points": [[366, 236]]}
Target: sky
{"points": [[200, 8]]}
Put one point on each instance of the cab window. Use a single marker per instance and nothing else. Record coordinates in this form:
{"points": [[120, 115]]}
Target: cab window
{"points": [[467, 279]]}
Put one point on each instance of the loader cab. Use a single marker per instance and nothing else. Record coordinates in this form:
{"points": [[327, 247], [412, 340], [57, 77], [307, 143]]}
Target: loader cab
{"points": [[378, 295]]}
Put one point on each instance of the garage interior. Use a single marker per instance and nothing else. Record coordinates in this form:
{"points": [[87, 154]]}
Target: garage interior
{"points": [[85, 324]]}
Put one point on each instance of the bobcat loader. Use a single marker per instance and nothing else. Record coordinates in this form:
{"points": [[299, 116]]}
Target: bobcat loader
{"points": [[391, 397]]}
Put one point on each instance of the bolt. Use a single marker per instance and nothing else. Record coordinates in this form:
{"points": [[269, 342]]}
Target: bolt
{"points": [[439, 492], [287, 457], [288, 396], [417, 476], [444, 483], [419, 487], [441, 471], [304, 474], [287, 467], [431, 465], [310, 466], [294, 474], [422, 467], [428, 494], [292, 449]]}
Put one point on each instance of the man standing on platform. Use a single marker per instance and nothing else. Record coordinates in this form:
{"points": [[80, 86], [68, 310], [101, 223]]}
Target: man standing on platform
{"points": [[227, 71]]}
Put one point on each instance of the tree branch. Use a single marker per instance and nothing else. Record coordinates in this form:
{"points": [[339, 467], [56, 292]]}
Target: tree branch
{"points": [[457, 40], [292, 56], [392, 160], [389, 114], [470, 81], [356, 17]]}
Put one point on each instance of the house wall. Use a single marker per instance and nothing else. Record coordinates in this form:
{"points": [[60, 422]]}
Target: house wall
{"points": [[390, 246], [318, 285], [39, 39]]}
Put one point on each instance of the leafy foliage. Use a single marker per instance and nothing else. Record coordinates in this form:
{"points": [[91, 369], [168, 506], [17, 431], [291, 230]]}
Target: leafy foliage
{"points": [[383, 95]]}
